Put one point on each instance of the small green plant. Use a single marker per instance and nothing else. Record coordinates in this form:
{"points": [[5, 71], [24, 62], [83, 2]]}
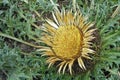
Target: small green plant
{"points": [[21, 24]]}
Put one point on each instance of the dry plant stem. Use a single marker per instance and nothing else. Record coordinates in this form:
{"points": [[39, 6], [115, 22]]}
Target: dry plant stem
{"points": [[37, 14], [117, 11], [74, 5], [35, 26], [21, 41]]}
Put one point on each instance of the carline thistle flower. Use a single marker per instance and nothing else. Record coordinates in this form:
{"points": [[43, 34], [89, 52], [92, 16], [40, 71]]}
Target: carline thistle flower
{"points": [[69, 39]]}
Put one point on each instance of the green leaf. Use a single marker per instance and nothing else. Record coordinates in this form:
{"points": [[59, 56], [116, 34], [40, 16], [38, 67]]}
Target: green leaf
{"points": [[26, 1], [109, 59], [112, 53], [107, 43], [5, 1], [109, 23], [110, 36], [110, 39], [86, 76]]}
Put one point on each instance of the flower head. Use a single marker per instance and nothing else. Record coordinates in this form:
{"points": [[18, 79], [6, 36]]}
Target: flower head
{"points": [[68, 38]]}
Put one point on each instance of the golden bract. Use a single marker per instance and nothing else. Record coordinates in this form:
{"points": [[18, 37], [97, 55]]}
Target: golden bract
{"points": [[68, 38]]}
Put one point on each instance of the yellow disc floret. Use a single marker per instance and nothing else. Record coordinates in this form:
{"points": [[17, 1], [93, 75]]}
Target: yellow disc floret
{"points": [[67, 42]]}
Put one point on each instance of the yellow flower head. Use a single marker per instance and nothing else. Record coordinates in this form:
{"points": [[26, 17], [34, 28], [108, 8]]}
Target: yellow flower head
{"points": [[68, 38]]}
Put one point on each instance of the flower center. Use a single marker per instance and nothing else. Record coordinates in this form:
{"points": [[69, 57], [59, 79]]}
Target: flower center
{"points": [[67, 42]]}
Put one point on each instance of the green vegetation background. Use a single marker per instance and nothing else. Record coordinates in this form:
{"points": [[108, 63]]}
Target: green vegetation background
{"points": [[19, 20]]}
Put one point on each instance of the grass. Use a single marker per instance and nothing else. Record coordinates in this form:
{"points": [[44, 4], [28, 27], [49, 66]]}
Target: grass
{"points": [[20, 23]]}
